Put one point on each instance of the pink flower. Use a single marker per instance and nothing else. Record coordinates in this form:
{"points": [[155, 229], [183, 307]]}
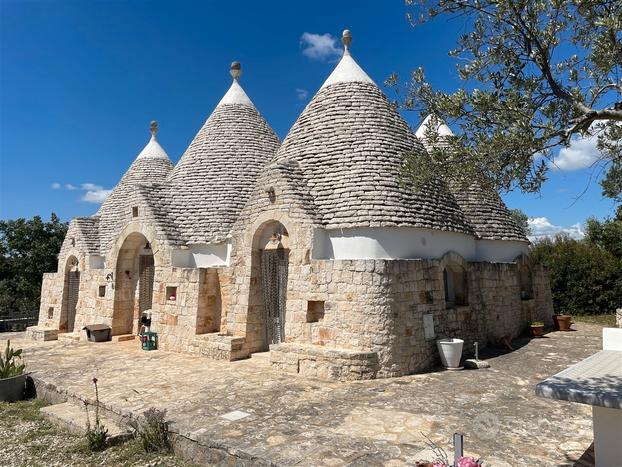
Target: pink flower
{"points": [[467, 462]]}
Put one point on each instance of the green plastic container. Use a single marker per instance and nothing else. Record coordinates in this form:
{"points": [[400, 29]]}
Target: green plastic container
{"points": [[149, 340]]}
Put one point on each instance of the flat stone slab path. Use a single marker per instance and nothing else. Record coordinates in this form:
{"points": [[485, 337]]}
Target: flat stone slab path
{"points": [[258, 415]]}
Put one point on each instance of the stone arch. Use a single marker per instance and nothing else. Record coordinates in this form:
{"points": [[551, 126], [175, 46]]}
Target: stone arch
{"points": [[71, 293], [455, 282], [134, 277], [270, 256], [525, 276]]}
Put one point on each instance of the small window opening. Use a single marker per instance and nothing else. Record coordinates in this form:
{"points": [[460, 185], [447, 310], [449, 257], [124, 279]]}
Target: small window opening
{"points": [[72, 241], [171, 293], [455, 285], [51, 312], [101, 291], [315, 311], [135, 211]]}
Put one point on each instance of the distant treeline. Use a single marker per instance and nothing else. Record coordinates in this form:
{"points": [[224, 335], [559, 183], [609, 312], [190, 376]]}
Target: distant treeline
{"points": [[28, 248]]}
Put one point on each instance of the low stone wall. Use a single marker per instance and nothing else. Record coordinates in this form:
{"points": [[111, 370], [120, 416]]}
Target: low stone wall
{"points": [[324, 363]]}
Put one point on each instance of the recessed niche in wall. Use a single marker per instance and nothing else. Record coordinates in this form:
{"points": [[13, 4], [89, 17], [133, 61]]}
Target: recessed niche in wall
{"points": [[428, 326], [51, 312], [101, 292], [72, 241], [135, 211], [315, 311], [425, 296], [171, 293]]}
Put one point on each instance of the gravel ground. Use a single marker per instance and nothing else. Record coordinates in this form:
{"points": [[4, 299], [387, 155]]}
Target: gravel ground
{"points": [[28, 440]]}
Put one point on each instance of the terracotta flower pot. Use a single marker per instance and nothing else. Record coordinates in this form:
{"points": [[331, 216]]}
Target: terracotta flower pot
{"points": [[555, 323], [536, 331], [564, 322]]}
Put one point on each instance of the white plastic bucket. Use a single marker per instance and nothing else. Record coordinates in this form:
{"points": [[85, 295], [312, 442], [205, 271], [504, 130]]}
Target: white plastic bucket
{"points": [[450, 351]]}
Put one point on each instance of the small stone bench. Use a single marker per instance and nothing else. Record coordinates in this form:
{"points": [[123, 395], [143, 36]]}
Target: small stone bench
{"points": [[324, 362]]}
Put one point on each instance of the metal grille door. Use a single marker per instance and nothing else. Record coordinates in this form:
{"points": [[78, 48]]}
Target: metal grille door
{"points": [[274, 286], [72, 298], [145, 283]]}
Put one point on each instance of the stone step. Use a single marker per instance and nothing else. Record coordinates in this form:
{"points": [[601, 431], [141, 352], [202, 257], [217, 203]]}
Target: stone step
{"points": [[72, 418], [123, 337], [261, 357], [69, 337]]}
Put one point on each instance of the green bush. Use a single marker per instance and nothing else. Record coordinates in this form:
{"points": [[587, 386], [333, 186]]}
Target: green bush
{"points": [[586, 277]]}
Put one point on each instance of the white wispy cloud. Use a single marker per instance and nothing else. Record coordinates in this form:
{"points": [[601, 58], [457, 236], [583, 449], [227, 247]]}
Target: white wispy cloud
{"points": [[301, 94], [541, 227], [95, 195], [581, 154], [92, 193], [323, 47]]}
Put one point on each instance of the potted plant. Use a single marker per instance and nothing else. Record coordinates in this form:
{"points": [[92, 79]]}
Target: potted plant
{"points": [[562, 322], [451, 352], [12, 376], [536, 328]]}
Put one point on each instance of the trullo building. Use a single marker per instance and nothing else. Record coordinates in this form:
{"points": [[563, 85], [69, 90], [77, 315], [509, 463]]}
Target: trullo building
{"points": [[309, 248]]}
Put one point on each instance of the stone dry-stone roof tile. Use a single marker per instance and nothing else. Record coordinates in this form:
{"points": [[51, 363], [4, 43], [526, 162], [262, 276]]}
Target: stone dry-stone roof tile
{"points": [[213, 180], [151, 166], [483, 208], [290, 195], [89, 231], [487, 213], [350, 142], [158, 201]]}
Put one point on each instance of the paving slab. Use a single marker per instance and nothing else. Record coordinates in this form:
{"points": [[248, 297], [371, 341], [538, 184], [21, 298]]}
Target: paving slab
{"points": [[257, 415]]}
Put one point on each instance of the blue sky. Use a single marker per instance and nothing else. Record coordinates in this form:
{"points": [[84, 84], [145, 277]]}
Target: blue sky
{"points": [[80, 82]]}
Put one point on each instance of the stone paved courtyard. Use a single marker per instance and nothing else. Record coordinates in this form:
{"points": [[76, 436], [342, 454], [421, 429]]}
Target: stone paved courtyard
{"points": [[297, 421]]}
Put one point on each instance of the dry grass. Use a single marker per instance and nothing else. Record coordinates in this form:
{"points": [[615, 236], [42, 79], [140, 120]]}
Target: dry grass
{"points": [[608, 320], [28, 440]]}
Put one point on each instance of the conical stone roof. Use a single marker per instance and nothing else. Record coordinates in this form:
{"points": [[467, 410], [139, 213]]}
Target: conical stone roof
{"points": [[213, 180], [484, 209], [151, 166], [349, 143]]}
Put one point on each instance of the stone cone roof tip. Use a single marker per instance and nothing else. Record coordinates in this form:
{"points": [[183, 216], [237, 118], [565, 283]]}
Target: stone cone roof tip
{"points": [[235, 94], [347, 70], [441, 127], [153, 148]]}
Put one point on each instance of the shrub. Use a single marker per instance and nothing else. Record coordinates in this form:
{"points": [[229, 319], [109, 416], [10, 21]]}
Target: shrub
{"points": [[152, 430], [585, 278], [9, 367]]}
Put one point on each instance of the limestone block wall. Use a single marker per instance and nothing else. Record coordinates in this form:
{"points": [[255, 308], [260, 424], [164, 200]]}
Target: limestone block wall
{"points": [[51, 300]]}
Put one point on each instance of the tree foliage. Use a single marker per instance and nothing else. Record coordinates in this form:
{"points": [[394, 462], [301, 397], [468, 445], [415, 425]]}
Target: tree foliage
{"points": [[522, 220], [586, 275], [537, 74], [28, 248]]}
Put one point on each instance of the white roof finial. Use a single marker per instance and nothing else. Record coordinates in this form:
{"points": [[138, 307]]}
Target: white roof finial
{"points": [[347, 70], [153, 148], [235, 94], [346, 39], [236, 70]]}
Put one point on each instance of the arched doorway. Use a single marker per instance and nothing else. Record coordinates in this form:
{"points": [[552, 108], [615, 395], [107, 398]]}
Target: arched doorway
{"points": [[134, 277], [270, 263], [71, 292]]}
